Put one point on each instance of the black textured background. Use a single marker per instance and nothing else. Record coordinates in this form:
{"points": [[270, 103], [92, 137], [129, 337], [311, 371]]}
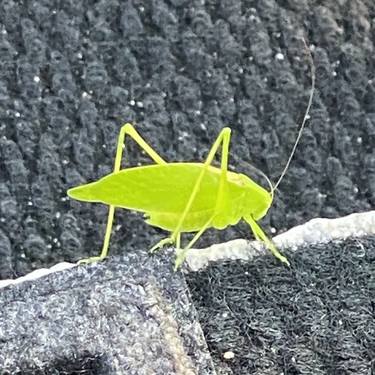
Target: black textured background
{"points": [[72, 72]]}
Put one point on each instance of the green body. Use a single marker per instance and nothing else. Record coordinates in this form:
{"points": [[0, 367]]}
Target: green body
{"points": [[161, 192]]}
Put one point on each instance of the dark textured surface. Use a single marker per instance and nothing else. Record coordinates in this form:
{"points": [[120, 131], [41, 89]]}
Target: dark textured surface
{"points": [[315, 318], [129, 315], [71, 72]]}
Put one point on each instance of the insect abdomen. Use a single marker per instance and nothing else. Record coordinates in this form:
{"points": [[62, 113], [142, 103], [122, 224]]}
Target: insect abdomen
{"points": [[193, 221], [168, 221]]}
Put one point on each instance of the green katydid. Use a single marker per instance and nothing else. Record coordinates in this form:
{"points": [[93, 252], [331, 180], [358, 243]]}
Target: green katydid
{"points": [[185, 197]]}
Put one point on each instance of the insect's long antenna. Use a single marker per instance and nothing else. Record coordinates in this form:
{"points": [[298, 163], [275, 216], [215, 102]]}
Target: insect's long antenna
{"points": [[304, 119], [272, 188], [265, 177]]}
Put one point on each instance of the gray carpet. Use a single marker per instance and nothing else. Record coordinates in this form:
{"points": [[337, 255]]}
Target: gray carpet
{"points": [[129, 315], [315, 318]]}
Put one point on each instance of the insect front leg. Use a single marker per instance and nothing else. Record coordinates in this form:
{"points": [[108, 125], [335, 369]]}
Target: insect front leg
{"points": [[125, 130], [261, 236]]}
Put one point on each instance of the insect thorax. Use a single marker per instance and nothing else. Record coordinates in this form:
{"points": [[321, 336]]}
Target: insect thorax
{"points": [[257, 200]]}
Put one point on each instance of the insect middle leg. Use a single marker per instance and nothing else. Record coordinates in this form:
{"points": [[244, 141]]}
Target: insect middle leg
{"points": [[125, 130], [181, 253]]}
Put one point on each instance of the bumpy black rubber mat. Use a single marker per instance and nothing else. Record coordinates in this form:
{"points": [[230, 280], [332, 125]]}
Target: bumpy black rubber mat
{"points": [[73, 72]]}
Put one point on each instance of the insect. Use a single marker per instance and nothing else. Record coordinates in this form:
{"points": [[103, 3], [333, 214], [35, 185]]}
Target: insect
{"points": [[184, 197]]}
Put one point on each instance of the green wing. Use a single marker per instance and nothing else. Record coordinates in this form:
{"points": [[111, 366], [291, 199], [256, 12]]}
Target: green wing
{"points": [[155, 188]]}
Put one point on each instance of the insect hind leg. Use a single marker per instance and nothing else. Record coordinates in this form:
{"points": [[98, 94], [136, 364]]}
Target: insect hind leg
{"points": [[223, 140], [126, 130]]}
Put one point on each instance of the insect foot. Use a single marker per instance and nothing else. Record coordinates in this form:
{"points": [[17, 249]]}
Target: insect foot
{"points": [[181, 255], [160, 244], [90, 260]]}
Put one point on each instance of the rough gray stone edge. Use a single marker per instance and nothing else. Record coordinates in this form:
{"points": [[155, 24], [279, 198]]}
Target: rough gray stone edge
{"points": [[319, 230]]}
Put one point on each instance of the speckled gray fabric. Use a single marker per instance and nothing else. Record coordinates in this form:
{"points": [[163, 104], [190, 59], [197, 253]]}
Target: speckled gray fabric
{"points": [[128, 315]]}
